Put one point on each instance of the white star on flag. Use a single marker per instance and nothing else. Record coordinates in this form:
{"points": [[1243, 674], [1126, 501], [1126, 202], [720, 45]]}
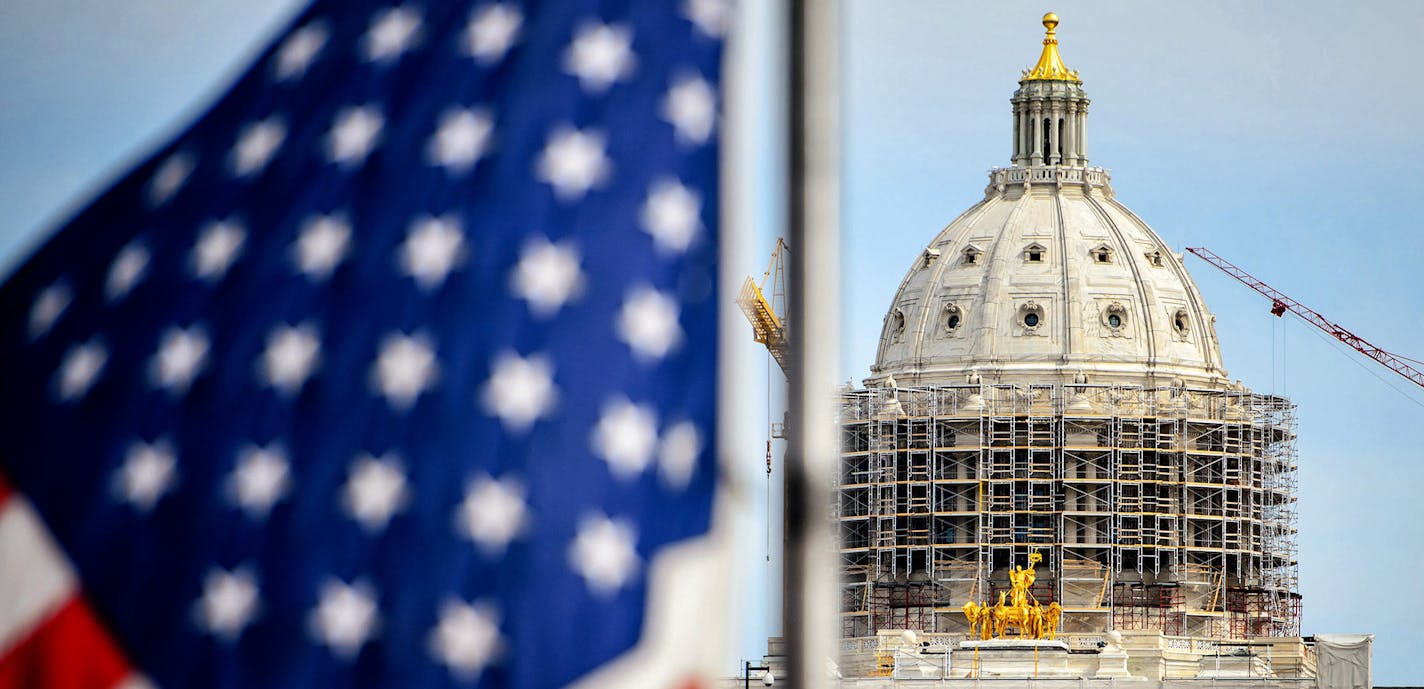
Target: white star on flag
{"points": [[261, 478], [298, 51], [712, 17], [375, 491], [127, 269], [691, 107], [520, 390], [228, 604], [467, 638], [432, 248], [677, 454], [603, 554], [323, 244], [648, 323], [625, 437], [147, 474], [256, 145], [462, 139], [353, 135], [493, 513], [345, 618], [670, 215], [82, 364], [600, 55], [49, 305], [574, 162], [393, 32], [216, 249], [491, 32], [169, 178], [181, 357], [405, 368], [547, 275], [292, 353]]}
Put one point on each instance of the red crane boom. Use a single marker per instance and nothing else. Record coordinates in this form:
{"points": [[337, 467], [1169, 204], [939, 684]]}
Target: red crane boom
{"points": [[1281, 303]]}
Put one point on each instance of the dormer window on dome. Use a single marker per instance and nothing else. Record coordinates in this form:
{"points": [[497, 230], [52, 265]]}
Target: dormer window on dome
{"points": [[1154, 258], [971, 255], [1035, 253], [1102, 253]]}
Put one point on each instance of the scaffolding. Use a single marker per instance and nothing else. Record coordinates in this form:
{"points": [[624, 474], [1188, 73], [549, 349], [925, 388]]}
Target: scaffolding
{"points": [[1165, 508]]}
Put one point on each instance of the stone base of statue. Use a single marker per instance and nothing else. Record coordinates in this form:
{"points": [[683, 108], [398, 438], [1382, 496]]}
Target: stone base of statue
{"points": [[1011, 658], [1112, 660]]}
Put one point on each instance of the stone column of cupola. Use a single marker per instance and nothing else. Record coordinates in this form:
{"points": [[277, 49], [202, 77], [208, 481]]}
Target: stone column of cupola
{"points": [[1018, 140], [1051, 156], [1035, 129], [1083, 132]]}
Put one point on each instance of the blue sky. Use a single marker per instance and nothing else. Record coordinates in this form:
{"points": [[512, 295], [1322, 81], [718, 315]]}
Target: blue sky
{"points": [[1282, 137]]}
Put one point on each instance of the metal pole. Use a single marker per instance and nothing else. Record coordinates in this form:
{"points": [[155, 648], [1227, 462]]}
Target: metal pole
{"points": [[811, 575]]}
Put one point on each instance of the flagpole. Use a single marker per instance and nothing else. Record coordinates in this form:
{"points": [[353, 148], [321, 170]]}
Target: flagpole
{"points": [[811, 578]]}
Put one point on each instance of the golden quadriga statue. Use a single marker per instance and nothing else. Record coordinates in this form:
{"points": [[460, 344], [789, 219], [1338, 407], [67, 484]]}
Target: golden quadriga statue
{"points": [[1031, 619]]}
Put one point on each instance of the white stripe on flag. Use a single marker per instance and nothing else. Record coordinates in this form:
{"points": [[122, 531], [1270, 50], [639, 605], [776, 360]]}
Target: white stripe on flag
{"points": [[35, 577]]}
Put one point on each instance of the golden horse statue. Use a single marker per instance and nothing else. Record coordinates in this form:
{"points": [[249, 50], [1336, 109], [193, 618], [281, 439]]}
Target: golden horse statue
{"points": [[980, 620], [1051, 616], [1006, 615]]}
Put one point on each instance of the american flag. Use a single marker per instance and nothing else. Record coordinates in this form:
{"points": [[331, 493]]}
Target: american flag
{"points": [[394, 369]]}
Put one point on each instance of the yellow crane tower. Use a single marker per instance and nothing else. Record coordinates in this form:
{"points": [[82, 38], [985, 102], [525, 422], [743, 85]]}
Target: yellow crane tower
{"points": [[768, 316]]}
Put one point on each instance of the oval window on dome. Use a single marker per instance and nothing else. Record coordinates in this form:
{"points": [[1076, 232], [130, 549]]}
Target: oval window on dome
{"points": [[1030, 316], [1181, 323], [951, 318], [1115, 318], [897, 325]]}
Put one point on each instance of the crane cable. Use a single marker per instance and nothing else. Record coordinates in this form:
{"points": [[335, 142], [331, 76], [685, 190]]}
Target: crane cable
{"points": [[1333, 344]]}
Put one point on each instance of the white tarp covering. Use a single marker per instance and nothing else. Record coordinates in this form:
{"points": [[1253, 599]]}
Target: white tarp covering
{"points": [[1342, 661]]}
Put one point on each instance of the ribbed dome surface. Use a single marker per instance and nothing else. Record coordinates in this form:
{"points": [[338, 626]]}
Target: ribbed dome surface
{"points": [[1049, 279]]}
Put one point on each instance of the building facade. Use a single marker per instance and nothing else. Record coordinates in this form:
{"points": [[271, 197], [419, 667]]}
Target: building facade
{"points": [[1049, 379]]}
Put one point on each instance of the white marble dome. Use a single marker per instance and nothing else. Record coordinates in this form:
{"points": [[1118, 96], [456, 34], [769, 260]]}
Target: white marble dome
{"points": [[1049, 278]]}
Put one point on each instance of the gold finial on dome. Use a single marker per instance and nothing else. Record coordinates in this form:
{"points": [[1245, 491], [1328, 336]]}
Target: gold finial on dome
{"points": [[1050, 66]]}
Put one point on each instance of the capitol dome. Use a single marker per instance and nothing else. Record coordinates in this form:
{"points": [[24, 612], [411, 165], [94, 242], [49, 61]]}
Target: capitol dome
{"points": [[1049, 278]]}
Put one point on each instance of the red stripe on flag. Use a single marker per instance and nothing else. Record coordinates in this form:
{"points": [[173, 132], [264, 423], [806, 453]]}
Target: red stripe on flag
{"points": [[69, 651]]}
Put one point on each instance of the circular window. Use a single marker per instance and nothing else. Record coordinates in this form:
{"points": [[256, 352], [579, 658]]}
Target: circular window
{"points": [[1181, 322], [1115, 319], [1031, 317], [897, 325], [951, 318]]}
